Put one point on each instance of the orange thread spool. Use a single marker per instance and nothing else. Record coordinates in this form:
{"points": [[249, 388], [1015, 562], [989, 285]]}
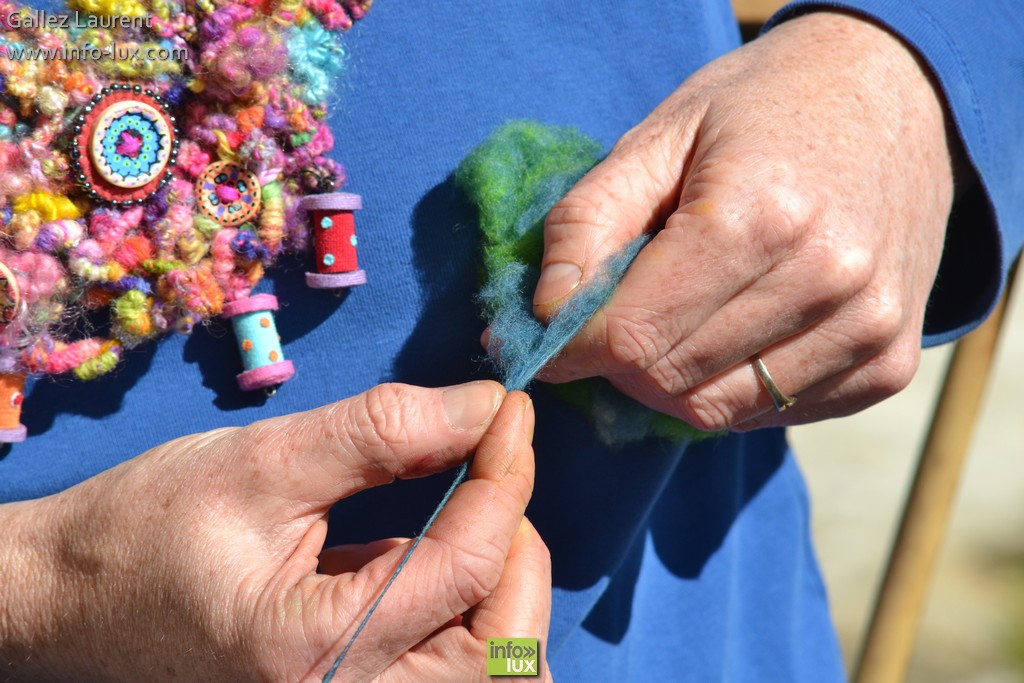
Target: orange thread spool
{"points": [[11, 397]]}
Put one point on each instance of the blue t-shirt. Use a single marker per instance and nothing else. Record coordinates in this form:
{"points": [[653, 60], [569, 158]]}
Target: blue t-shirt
{"points": [[670, 563]]}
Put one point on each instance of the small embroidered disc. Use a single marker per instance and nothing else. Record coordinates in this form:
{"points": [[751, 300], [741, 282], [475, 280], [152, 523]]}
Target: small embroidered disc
{"points": [[130, 144], [228, 193], [125, 140]]}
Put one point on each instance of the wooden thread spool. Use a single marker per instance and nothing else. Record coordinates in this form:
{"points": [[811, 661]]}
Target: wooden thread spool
{"points": [[10, 296], [258, 342], [333, 226], [11, 387]]}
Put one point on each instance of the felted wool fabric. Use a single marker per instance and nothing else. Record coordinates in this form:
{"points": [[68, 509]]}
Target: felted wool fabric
{"points": [[514, 178]]}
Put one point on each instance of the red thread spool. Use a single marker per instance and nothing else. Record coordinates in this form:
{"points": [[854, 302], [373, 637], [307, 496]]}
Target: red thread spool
{"points": [[333, 226]]}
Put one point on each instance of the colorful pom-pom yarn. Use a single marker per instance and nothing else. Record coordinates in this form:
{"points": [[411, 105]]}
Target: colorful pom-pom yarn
{"points": [[11, 387], [258, 342], [143, 197], [332, 225]]}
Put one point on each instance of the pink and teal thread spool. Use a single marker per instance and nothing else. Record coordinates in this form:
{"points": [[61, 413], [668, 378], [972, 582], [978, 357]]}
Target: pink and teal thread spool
{"points": [[333, 227], [258, 342]]}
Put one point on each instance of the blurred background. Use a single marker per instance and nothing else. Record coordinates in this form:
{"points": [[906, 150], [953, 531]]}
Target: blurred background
{"points": [[858, 470]]}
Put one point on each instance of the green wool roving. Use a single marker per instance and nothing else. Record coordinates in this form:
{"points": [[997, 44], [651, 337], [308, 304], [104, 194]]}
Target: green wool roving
{"points": [[514, 178]]}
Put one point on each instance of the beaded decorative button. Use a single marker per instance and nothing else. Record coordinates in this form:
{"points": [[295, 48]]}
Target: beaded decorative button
{"points": [[228, 193], [124, 142]]}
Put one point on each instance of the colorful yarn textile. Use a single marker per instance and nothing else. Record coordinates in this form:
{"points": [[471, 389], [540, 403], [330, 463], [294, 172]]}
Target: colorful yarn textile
{"points": [[153, 154], [514, 178]]}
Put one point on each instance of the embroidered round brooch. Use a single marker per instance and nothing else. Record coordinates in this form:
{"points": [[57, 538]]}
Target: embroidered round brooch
{"points": [[228, 193], [124, 141]]}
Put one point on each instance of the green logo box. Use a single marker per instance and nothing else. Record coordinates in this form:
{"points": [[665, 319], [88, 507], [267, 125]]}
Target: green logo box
{"points": [[513, 657]]}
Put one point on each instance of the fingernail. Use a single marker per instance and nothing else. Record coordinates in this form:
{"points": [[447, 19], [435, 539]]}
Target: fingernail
{"points": [[347, 549], [558, 280], [529, 419], [470, 405]]}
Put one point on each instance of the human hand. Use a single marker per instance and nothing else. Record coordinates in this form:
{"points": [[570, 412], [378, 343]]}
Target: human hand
{"points": [[197, 559], [801, 186]]}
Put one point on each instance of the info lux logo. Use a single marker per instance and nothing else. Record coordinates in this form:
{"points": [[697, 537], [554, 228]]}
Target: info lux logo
{"points": [[512, 657]]}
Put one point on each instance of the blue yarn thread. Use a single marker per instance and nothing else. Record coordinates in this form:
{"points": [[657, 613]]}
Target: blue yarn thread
{"points": [[526, 346], [460, 476]]}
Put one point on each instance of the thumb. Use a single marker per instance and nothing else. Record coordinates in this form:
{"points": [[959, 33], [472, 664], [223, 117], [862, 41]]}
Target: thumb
{"points": [[630, 192], [307, 461]]}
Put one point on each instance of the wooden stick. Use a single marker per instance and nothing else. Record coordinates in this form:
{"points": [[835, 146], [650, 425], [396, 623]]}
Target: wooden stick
{"points": [[890, 637], [756, 11]]}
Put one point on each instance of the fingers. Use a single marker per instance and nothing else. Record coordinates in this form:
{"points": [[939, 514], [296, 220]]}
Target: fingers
{"points": [[520, 607], [460, 561], [720, 237], [350, 558], [315, 458], [627, 194], [739, 270], [848, 391], [765, 315], [863, 341]]}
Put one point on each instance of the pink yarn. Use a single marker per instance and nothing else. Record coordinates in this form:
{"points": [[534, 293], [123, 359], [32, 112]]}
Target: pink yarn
{"points": [[177, 224], [329, 12], [59, 235], [109, 228], [235, 286], [267, 158], [89, 250], [12, 173], [39, 275], [226, 193], [239, 60], [9, 153], [192, 159], [15, 183], [69, 357]]}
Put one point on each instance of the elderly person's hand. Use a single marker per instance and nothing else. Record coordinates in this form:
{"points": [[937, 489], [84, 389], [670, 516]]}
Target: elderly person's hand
{"points": [[197, 560], [801, 188]]}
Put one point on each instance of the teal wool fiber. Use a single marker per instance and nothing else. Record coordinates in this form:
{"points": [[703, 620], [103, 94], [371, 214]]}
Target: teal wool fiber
{"points": [[515, 177]]}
